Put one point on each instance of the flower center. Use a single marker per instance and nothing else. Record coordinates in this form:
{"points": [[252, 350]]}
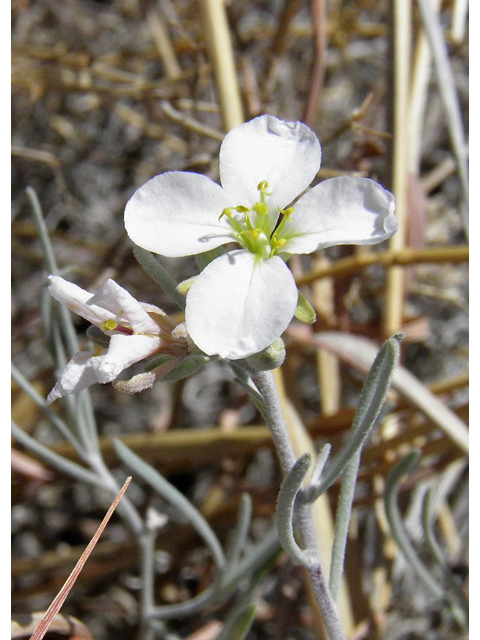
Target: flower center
{"points": [[254, 229]]}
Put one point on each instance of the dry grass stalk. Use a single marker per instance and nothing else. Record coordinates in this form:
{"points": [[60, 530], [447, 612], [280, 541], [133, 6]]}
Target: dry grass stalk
{"points": [[62, 595], [219, 44], [405, 256], [394, 301]]}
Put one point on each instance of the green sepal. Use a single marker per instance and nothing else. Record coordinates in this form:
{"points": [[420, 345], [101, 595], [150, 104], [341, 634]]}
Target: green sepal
{"points": [[205, 258], [96, 335], [184, 287], [189, 365], [270, 358], [157, 361], [304, 311]]}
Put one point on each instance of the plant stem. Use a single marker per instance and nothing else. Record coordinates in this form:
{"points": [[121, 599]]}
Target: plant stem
{"points": [[265, 382], [317, 576]]}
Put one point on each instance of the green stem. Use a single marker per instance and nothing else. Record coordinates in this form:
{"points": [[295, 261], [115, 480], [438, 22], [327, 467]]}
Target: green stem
{"points": [[265, 382]]}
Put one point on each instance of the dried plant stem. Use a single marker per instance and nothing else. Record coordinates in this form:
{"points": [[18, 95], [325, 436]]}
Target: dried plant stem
{"points": [[421, 71], [459, 20], [448, 94], [219, 44], [58, 601], [327, 364], [317, 75], [401, 16], [289, 11], [188, 122], [162, 41], [401, 256]]}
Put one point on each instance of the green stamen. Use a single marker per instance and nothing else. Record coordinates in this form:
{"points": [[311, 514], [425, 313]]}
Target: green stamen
{"points": [[277, 243], [286, 213], [231, 219], [256, 231]]}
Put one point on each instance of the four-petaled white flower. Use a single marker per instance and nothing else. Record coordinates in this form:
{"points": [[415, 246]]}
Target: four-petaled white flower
{"points": [[244, 299], [136, 329]]}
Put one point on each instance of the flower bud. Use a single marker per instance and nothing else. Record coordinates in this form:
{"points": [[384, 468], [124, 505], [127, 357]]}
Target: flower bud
{"points": [[270, 358]]}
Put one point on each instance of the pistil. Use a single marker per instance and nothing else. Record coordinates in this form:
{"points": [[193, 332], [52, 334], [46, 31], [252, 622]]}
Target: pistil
{"points": [[112, 325]]}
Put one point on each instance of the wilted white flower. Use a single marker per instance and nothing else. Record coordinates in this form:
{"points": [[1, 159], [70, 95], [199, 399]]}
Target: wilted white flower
{"points": [[136, 331], [243, 300]]}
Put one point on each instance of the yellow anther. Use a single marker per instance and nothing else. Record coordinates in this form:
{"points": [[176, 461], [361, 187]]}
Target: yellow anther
{"points": [[251, 233], [287, 212], [261, 208], [226, 212], [263, 186], [109, 325], [278, 243], [242, 209]]}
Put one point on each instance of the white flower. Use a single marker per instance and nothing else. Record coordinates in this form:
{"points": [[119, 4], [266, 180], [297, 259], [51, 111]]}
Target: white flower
{"points": [[136, 330], [242, 301]]}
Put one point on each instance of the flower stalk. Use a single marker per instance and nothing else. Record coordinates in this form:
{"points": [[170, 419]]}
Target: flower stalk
{"points": [[295, 472]]}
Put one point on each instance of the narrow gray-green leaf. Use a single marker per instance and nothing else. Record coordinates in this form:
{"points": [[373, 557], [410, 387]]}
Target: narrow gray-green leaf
{"points": [[459, 612], [397, 527], [55, 420], [360, 353], [370, 404], [239, 624], [286, 507], [54, 460], [159, 274], [172, 495], [240, 531], [342, 521]]}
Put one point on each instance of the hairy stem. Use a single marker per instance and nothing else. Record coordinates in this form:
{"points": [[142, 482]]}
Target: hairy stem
{"points": [[265, 382]]}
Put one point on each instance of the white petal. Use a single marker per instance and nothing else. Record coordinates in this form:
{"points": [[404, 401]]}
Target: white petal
{"points": [[122, 352], [126, 309], [79, 374], [77, 300], [340, 211], [285, 154], [177, 214], [240, 304]]}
